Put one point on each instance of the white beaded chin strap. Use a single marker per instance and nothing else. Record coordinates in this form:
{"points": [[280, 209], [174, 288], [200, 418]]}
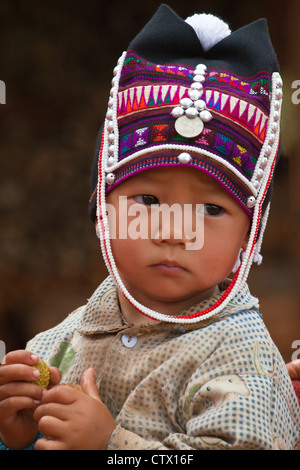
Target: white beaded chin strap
{"points": [[261, 181]]}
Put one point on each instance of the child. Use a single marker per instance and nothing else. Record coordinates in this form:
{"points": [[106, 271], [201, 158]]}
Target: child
{"points": [[170, 354]]}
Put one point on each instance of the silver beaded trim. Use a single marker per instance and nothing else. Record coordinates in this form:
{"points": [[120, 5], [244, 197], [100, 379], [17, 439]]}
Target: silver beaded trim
{"points": [[269, 148], [111, 125]]}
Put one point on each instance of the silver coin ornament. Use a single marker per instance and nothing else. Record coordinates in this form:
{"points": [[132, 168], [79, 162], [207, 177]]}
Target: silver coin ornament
{"points": [[191, 113], [188, 127]]}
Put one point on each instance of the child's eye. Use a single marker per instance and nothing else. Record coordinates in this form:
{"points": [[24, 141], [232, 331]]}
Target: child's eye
{"points": [[213, 210], [146, 199]]}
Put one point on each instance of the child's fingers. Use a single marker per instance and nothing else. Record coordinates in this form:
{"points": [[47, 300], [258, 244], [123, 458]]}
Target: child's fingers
{"points": [[27, 389], [55, 403], [17, 396], [20, 356], [294, 369], [18, 372], [89, 385], [61, 394], [47, 443], [13, 404], [28, 358], [53, 411], [55, 376], [17, 403]]}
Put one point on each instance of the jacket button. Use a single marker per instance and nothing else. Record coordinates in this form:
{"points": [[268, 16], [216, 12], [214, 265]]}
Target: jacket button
{"points": [[129, 341]]}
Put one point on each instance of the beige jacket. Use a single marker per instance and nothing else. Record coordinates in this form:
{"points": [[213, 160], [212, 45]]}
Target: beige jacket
{"points": [[221, 384]]}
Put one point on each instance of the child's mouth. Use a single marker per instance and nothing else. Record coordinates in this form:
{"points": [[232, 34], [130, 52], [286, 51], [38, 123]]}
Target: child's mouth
{"points": [[169, 267]]}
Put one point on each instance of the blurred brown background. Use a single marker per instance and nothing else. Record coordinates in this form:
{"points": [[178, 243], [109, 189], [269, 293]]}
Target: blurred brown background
{"points": [[56, 59]]}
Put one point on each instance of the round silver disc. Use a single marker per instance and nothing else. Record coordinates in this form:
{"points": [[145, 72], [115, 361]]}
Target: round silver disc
{"points": [[188, 127]]}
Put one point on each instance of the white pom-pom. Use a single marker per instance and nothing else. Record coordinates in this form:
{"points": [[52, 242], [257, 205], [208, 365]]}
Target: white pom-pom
{"points": [[209, 28]]}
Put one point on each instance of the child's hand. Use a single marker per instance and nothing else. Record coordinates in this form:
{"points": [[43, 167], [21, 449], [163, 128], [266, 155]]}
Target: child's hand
{"points": [[73, 420], [294, 371], [19, 397]]}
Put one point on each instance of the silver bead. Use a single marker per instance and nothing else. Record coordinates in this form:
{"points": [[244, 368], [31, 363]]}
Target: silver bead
{"points": [[201, 67], [275, 127], [110, 102], [110, 126], [110, 178], [205, 116], [111, 150], [260, 173], [186, 102], [116, 70], [177, 112], [251, 202], [277, 105], [195, 94], [264, 162], [279, 82], [111, 138], [268, 151], [200, 105], [191, 112], [184, 157], [199, 78], [110, 161], [196, 86], [272, 139], [276, 116], [109, 114], [278, 93], [256, 184], [199, 72]]}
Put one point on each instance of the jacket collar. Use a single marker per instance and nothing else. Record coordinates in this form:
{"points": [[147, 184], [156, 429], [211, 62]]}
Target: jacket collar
{"points": [[102, 313]]}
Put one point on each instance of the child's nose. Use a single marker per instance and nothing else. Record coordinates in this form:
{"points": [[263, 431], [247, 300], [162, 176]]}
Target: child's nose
{"points": [[172, 231]]}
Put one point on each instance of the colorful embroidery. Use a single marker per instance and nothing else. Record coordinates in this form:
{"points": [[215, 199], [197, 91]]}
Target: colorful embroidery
{"points": [[140, 137], [160, 133], [148, 97], [208, 165], [137, 68], [259, 85], [238, 110], [215, 137]]}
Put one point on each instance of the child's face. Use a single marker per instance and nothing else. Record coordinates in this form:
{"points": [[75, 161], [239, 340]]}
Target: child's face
{"points": [[158, 270]]}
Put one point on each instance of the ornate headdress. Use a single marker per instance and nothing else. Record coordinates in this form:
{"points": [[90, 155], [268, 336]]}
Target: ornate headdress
{"points": [[193, 93]]}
